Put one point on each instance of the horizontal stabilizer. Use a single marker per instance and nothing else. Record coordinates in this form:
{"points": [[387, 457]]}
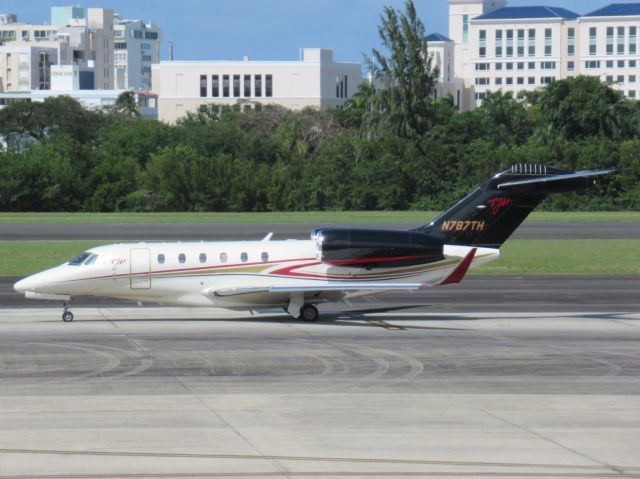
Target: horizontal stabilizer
{"points": [[316, 289], [563, 182], [461, 270]]}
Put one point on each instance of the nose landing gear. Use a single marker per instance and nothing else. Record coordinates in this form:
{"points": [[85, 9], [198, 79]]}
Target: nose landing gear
{"points": [[67, 316]]}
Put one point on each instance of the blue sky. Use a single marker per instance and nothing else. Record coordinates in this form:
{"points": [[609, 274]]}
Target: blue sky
{"points": [[269, 29]]}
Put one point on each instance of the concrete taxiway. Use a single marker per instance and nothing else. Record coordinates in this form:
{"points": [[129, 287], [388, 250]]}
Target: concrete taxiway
{"points": [[170, 392]]}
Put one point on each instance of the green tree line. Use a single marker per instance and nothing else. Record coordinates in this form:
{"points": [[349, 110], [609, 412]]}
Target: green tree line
{"points": [[395, 147]]}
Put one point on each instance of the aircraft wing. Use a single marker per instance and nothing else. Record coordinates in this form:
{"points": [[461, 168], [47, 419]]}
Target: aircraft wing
{"points": [[346, 288]]}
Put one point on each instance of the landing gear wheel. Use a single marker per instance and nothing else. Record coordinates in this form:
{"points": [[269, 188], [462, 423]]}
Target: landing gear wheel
{"points": [[67, 316], [309, 313]]}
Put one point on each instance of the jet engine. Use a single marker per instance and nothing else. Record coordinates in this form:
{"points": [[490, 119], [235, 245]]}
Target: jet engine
{"points": [[368, 248]]}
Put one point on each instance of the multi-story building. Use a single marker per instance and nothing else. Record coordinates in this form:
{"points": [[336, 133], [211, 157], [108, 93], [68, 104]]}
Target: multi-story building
{"points": [[136, 48], [515, 49], [26, 67], [317, 80], [87, 39]]}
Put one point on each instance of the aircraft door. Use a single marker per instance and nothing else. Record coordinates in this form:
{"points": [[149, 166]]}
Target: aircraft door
{"points": [[140, 272]]}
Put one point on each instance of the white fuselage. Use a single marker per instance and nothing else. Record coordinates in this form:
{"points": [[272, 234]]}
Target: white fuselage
{"points": [[195, 274]]}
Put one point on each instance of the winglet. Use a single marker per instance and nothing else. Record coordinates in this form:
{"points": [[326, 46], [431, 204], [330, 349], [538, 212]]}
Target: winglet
{"points": [[461, 270]]}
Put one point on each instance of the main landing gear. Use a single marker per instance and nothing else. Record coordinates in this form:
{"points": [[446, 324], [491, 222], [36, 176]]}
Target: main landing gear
{"points": [[309, 313], [67, 316]]}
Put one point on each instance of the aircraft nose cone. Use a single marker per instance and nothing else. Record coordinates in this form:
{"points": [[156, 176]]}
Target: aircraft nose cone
{"points": [[22, 286]]}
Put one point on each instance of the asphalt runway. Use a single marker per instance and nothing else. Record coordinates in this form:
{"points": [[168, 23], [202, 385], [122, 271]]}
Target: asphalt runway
{"points": [[254, 231], [198, 393]]}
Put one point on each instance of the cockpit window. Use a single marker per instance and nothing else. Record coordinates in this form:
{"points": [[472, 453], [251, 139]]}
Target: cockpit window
{"points": [[91, 260], [78, 260]]}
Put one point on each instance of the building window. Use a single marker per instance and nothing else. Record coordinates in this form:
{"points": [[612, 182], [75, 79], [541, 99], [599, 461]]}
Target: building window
{"points": [[244, 257], [592, 64], [160, 259], [609, 40], [247, 86], [548, 65], [498, 66], [633, 32], [632, 78], [509, 43], [632, 94], [257, 85], [215, 86], [498, 43], [498, 81], [609, 63], [483, 43], [620, 79], [632, 63], [482, 81], [532, 42], [225, 86], [547, 80], [509, 66], [520, 43], [532, 80], [203, 86], [236, 86], [509, 81], [483, 66], [521, 66], [182, 258], [520, 80], [571, 42], [202, 258], [620, 63], [621, 41], [465, 28], [268, 85], [571, 66], [548, 37], [532, 65]]}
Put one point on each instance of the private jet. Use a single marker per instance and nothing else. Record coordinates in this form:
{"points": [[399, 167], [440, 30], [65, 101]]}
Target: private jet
{"points": [[335, 264]]}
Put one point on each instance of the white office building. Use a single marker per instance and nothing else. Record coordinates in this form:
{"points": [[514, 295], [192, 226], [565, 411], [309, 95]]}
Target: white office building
{"points": [[136, 48], [500, 48], [316, 80]]}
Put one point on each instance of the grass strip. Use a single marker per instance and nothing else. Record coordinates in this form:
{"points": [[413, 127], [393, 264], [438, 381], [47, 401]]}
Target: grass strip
{"points": [[519, 257], [315, 217]]}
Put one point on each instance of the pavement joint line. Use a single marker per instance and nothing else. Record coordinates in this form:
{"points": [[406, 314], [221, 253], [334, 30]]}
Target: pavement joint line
{"points": [[315, 474], [552, 441], [260, 456]]}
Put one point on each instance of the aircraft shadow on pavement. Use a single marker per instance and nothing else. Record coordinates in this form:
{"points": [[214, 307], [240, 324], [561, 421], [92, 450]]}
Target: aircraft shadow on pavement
{"points": [[350, 318]]}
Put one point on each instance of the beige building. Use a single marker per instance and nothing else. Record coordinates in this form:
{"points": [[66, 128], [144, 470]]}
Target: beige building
{"points": [[500, 48], [26, 67], [316, 80]]}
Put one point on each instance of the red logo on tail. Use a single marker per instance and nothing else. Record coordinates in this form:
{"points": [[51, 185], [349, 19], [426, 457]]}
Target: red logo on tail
{"points": [[498, 204]]}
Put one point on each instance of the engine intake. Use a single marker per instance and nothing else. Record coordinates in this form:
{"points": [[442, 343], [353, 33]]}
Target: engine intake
{"points": [[375, 248]]}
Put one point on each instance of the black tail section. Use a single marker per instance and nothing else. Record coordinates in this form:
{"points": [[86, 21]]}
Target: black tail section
{"points": [[489, 215]]}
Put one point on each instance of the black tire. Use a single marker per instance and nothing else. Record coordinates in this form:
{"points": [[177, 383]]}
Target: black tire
{"points": [[309, 313], [67, 316]]}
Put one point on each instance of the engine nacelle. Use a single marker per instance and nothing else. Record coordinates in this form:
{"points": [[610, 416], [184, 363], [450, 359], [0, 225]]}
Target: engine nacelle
{"points": [[375, 248]]}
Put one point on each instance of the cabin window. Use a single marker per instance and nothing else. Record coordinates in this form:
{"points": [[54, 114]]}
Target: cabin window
{"points": [[203, 258], [244, 257], [182, 258], [223, 257], [160, 259], [78, 260], [264, 256]]}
